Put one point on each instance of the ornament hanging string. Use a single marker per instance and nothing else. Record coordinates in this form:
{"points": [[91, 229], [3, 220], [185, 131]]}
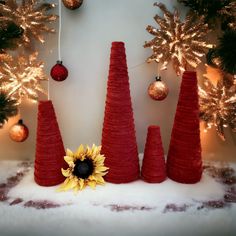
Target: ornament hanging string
{"points": [[138, 65], [59, 30], [158, 72], [58, 42], [48, 89], [144, 63]]}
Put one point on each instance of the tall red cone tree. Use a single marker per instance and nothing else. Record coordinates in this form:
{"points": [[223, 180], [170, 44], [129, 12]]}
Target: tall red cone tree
{"points": [[184, 162], [118, 136]]}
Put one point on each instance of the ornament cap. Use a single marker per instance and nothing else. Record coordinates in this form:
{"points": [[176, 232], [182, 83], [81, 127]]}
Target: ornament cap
{"points": [[158, 78], [20, 121], [59, 62]]}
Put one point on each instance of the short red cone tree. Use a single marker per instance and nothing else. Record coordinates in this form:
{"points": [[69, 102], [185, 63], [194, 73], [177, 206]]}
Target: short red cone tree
{"points": [[184, 161], [50, 152], [118, 135], [153, 168]]}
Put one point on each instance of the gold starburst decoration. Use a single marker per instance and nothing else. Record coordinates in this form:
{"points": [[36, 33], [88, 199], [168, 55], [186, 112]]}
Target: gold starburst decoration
{"points": [[22, 77], [4, 57], [86, 168], [183, 43], [218, 105], [31, 15]]}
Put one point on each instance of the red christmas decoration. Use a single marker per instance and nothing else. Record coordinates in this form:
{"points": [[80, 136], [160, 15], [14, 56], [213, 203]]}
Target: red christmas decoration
{"points": [[118, 136], [49, 147], [184, 162], [153, 168], [59, 72]]}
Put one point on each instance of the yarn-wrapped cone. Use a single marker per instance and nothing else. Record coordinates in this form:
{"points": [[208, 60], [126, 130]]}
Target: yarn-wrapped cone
{"points": [[118, 135], [184, 161], [153, 167], [50, 152]]}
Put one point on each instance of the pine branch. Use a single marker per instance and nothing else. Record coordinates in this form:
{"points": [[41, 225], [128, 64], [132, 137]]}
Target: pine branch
{"points": [[8, 108]]}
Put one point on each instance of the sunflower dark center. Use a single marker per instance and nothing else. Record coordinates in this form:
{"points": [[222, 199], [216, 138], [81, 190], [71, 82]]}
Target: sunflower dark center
{"points": [[83, 169]]}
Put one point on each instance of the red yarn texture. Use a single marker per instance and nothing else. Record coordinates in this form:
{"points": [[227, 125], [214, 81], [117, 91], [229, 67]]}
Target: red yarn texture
{"points": [[153, 168], [118, 136], [184, 162], [49, 147]]}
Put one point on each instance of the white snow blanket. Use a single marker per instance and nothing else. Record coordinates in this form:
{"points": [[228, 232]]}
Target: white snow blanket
{"points": [[137, 208]]}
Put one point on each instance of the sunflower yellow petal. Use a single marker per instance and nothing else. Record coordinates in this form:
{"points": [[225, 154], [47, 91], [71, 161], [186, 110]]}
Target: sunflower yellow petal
{"points": [[66, 172], [88, 151], [92, 184], [82, 157], [99, 159], [99, 148], [80, 150], [69, 153], [103, 173], [99, 163], [62, 186], [92, 177], [71, 184], [99, 179], [94, 150], [76, 188], [81, 184], [101, 169], [69, 160]]}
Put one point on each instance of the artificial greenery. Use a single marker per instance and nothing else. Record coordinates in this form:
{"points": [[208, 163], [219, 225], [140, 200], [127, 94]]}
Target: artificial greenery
{"points": [[9, 32], [211, 10], [223, 56], [8, 108], [211, 57], [226, 52]]}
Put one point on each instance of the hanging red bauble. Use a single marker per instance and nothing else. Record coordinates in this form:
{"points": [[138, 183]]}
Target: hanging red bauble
{"points": [[59, 72], [158, 90], [72, 4], [19, 132]]}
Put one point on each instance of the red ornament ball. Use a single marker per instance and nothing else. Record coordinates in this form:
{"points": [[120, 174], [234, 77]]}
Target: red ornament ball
{"points": [[59, 72], [19, 132]]}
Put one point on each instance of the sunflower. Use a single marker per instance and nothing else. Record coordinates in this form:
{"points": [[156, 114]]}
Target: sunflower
{"points": [[86, 168]]}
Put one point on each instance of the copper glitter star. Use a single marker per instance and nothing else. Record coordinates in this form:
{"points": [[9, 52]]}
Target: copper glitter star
{"points": [[31, 15], [218, 105], [22, 77], [182, 43]]}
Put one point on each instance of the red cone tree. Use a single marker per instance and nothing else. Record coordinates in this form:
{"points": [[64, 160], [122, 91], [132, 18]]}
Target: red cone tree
{"points": [[49, 147], [153, 168], [118, 136], [184, 163]]}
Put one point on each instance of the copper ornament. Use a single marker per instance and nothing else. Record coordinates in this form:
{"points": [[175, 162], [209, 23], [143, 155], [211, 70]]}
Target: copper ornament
{"points": [[158, 90], [19, 132], [72, 4]]}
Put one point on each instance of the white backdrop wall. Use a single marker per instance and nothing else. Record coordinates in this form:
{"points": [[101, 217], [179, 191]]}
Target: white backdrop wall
{"points": [[79, 101]]}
